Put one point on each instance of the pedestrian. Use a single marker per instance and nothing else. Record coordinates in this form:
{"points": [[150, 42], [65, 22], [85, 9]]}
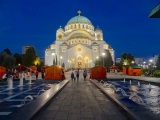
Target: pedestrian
{"points": [[72, 76], [77, 76], [42, 75], [85, 75], [36, 74]]}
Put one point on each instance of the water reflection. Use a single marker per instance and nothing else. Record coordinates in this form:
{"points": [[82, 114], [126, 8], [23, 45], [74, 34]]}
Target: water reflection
{"points": [[147, 95]]}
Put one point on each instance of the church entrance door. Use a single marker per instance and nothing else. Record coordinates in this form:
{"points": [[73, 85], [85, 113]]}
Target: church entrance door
{"points": [[79, 64]]}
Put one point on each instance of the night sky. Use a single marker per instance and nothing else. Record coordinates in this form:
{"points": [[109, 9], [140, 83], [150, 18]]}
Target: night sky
{"points": [[125, 23]]}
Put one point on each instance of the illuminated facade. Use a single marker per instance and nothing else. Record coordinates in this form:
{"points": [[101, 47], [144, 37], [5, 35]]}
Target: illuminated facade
{"points": [[77, 45]]}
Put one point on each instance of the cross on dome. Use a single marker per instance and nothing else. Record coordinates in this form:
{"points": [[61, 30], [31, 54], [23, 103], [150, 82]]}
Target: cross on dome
{"points": [[79, 12]]}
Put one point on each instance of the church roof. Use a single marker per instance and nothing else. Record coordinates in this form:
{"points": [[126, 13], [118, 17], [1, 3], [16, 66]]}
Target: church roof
{"points": [[94, 43], [64, 43], [110, 47], [79, 19], [155, 13], [98, 28], [79, 35]]}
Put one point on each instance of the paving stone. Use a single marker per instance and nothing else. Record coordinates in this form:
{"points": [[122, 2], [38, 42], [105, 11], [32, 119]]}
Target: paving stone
{"points": [[87, 115], [81, 101], [61, 115], [53, 107], [116, 118]]}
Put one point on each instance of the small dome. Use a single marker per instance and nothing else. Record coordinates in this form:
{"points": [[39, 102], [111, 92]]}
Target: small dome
{"points": [[79, 35], [79, 19], [98, 29], [60, 29]]}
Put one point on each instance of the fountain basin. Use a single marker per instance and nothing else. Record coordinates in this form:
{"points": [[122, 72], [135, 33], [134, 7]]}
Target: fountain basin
{"points": [[133, 109]]}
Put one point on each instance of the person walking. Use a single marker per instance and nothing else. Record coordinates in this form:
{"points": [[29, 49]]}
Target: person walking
{"points": [[85, 75], [77, 76], [72, 76], [36, 74], [42, 75]]}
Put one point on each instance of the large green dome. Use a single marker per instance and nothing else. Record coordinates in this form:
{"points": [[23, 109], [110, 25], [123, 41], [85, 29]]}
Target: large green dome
{"points": [[79, 19]]}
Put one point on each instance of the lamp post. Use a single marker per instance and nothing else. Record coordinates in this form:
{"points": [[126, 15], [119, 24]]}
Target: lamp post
{"points": [[53, 58], [144, 64], [20, 67], [151, 64], [90, 64], [68, 64], [103, 54], [61, 61]]}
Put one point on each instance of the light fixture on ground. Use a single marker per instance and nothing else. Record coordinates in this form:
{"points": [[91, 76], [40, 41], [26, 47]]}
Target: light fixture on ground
{"points": [[103, 54]]}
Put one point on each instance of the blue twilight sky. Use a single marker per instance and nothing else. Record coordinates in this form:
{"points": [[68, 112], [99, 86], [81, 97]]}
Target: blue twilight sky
{"points": [[125, 23]]}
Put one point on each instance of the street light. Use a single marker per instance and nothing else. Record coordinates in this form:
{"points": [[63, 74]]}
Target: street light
{"points": [[151, 62], [91, 63], [61, 60], [103, 54], [68, 63], [53, 58]]}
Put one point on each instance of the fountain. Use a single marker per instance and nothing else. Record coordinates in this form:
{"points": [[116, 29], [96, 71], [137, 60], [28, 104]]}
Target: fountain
{"points": [[30, 79], [124, 80], [106, 84], [21, 79], [130, 82], [40, 92], [123, 92], [136, 98], [23, 101], [101, 81], [112, 86], [144, 94], [149, 86], [10, 82]]}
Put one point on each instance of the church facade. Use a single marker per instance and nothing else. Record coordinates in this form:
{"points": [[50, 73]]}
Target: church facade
{"points": [[78, 45]]}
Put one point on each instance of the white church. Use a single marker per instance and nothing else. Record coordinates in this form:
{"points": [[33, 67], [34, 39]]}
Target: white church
{"points": [[78, 45]]}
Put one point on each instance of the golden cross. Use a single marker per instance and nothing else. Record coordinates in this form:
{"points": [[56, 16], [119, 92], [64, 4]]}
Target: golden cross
{"points": [[79, 12]]}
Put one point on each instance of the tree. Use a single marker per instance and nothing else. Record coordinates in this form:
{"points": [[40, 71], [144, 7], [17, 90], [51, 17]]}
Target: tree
{"points": [[37, 61], [18, 58], [7, 51], [126, 59], [7, 60], [30, 57], [158, 62], [107, 60]]}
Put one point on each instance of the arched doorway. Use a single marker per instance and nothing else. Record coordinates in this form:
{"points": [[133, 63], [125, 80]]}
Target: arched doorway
{"points": [[79, 61]]}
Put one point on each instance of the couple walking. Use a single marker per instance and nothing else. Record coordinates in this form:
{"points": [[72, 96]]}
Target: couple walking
{"points": [[74, 78], [77, 76]]}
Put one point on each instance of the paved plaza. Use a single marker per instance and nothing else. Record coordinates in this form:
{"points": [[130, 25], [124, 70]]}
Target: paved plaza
{"points": [[81, 101]]}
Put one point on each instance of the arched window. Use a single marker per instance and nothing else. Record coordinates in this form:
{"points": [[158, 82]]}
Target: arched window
{"points": [[60, 37]]}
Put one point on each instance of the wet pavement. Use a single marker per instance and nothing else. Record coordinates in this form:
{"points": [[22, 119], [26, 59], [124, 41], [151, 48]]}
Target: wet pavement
{"points": [[81, 100]]}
